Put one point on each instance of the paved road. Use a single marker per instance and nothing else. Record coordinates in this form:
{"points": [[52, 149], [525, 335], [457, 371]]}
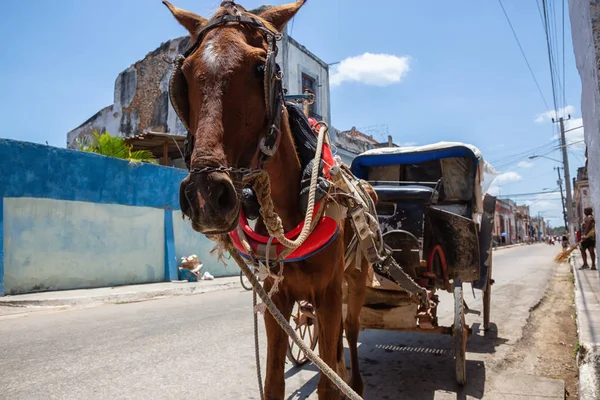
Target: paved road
{"points": [[201, 347]]}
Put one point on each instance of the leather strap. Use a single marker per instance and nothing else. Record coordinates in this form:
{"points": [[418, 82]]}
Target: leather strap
{"points": [[273, 83]]}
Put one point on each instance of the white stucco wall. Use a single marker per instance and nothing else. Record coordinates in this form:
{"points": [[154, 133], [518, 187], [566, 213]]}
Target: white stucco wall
{"points": [[299, 61], [585, 31], [57, 244]]}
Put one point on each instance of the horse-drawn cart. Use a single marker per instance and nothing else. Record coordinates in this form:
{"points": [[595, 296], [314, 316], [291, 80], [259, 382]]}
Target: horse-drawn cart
{"points": [[437, 224]]}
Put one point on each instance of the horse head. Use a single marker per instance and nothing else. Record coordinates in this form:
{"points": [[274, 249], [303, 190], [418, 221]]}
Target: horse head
{"points": [[226, 93]]}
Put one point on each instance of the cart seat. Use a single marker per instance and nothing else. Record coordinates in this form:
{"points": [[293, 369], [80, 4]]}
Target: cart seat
{"points": [[395, 194]]}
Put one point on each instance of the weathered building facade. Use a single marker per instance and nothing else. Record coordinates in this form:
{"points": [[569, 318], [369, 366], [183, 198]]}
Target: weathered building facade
{"points": [[504, 222], [522, 223], [581, 189], [141, 101], [350, 143]]}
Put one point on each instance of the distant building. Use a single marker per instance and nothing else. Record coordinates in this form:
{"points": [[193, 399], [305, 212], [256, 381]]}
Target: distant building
{"points": [[522, 223], [538, 225], [504, 222], [582, 193], [350, 143]]}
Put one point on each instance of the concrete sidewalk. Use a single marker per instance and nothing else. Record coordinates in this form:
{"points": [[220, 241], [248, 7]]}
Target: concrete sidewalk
{"points": [[587, 306], [118, 294]]}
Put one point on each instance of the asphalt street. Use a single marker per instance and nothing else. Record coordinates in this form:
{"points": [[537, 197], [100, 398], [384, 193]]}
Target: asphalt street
{"points": [[201, 346]]}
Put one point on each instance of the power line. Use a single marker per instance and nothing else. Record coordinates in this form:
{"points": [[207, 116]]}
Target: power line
{"points": [[569, 144], [513, 158], [528, 194], [528, 152], [563, 55], [549, 47], [555, 51], [523, 53]]}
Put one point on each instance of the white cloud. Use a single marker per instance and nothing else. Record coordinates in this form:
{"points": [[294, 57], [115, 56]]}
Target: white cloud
{"points": [[494, 190], [574, 135], [524, 164], [548, 115], [507, 177], [503, 179], [371, 69]]}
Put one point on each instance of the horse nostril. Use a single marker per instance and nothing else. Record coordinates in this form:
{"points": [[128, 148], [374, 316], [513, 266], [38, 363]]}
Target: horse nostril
{"points": [[226, 197], [184, 202]]}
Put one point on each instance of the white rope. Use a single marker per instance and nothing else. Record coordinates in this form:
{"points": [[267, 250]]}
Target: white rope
{"points": [[278, 232], [287, 328]]}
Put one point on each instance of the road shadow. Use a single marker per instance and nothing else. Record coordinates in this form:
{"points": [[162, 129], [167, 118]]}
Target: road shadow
{"points": [[414, 366], [484, 342], [309, 387], [410, 366]]}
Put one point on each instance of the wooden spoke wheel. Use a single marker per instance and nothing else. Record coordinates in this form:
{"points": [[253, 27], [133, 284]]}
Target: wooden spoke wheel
{"points": [[460, 333], [304, 322], [487, 297]]}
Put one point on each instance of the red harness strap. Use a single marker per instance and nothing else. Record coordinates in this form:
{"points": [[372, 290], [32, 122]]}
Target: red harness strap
{"points": [[324, 232]]}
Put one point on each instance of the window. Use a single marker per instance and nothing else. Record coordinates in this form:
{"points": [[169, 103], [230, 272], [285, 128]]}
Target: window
{"points": [[308, 84]]}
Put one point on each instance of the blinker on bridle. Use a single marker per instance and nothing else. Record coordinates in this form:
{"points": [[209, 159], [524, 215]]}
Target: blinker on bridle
{"points": [[272, 87]]}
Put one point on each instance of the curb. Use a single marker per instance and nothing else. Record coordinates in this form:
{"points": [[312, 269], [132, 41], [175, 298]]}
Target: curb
{"points": [[588, 355], [509, 246], [115, 298]]}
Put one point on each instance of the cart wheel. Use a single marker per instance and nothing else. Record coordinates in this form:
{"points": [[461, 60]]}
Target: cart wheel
{"points": [[304, 322], [245, 282], [487, 298], [460, 333]]}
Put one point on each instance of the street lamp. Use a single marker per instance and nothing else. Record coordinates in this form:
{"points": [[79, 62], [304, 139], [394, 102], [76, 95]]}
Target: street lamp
{"points": [[537, 156]]}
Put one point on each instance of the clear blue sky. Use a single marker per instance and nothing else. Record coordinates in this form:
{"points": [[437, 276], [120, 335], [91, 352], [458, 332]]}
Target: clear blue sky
{"points": [[467, 79]]}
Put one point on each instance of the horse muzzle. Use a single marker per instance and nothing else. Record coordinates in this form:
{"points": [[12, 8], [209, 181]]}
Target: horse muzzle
{"points": [[210, 200]]}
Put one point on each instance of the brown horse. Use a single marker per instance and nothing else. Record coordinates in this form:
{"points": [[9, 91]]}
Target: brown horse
{"points": [[226, 109]]}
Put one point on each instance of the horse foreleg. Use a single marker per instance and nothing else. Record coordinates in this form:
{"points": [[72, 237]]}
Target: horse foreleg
{"points": [[329, 315], [356, 297], [277, 342]]}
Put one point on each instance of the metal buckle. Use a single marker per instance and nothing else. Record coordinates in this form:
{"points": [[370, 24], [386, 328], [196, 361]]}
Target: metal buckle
{"points": [[269, 151]]}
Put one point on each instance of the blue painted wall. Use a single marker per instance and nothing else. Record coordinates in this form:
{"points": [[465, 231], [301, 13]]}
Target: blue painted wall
{"points": [[72, 220], [33, 170], [188, 241]]}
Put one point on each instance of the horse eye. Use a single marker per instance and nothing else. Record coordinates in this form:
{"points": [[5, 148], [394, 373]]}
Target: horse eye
{"points": [[260, 70]]}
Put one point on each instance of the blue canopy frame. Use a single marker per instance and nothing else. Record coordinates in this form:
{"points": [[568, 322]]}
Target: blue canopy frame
{"points": [[362, 162]]}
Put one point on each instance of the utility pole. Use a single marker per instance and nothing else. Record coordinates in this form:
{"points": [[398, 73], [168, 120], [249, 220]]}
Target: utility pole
{"points": [[562, 197], [563, 142]]}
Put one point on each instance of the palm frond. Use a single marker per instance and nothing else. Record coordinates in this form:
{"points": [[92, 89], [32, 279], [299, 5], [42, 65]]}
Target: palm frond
{"points": [[113, 146], [143, 156]]}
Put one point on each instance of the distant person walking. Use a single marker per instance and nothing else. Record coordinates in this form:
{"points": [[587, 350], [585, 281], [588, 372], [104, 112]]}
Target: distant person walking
{"points": [[588, 243], [565, 240]]}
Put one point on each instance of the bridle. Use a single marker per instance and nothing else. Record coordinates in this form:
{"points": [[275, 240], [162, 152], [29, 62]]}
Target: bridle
{"points": [[273, 90]]}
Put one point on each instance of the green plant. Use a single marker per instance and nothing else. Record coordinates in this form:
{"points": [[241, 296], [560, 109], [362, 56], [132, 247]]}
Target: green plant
{"points": [[113, 146]]}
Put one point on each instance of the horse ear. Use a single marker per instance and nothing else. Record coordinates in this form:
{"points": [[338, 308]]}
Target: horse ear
{"points": [[280, 15], [190, 21]]}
